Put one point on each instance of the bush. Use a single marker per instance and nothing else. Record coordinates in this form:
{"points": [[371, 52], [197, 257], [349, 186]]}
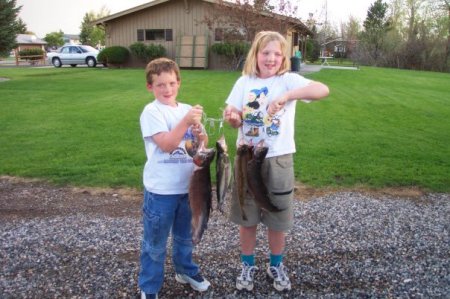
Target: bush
{"points": [[139, 50], [113, 55], [231, 49], [155, 51], [147, 53], [234, 51], [32, 52]]}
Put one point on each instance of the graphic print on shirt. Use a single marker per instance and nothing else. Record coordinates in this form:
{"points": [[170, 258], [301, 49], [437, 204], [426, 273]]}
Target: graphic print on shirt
{"points": [[182, 153], [257, 123]]}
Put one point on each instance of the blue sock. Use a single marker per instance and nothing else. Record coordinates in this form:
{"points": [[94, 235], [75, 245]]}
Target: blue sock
{"points": [[249, 259], [276, 259]]}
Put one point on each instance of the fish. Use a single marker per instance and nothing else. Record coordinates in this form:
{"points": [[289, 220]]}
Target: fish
{"points": [[192, 143], [255, 180], [200, 192], [191, 146], [223, 173], [243, 156]]}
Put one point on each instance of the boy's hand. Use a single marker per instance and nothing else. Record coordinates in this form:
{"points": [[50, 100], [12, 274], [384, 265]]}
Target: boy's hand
{"points": [[194, 116], [199, 132], [233, 117]]}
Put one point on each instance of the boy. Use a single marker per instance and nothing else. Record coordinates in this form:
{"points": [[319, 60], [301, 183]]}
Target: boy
{"points": [[166, 124]]}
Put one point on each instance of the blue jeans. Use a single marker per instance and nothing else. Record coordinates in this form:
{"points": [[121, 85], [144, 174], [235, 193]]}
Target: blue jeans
{"points": [[161, 214]]}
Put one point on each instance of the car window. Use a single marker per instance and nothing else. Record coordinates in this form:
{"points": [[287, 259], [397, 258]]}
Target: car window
{"points": [[74, 50], [65, 50], [88, 49]]}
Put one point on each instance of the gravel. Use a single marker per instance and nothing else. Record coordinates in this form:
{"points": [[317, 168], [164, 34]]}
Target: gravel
{"points": [[343, 245]]}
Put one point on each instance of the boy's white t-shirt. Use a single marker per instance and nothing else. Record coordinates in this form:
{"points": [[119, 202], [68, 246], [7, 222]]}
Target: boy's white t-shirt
{"points": [[165, 173], [252, 95]]}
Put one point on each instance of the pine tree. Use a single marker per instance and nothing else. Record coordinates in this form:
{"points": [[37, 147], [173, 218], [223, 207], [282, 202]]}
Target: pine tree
{"points": [[9, 26]]}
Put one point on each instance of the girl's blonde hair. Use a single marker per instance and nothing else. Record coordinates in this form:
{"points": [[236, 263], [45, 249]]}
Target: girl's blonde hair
{"points": [[260, 42]]}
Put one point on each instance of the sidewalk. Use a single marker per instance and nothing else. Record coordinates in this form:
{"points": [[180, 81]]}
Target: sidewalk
{"points": [[309, 68]]}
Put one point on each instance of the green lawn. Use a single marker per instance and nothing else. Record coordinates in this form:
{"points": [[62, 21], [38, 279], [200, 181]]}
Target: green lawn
{"points": [[79, 126]]}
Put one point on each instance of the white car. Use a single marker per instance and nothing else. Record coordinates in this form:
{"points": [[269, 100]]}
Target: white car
{"points": [[73, 55]]}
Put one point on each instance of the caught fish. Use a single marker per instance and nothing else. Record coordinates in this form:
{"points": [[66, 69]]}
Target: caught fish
{"points": [[200, 192], [223, 173], [192, 143], [255, 181], [243, 156]]}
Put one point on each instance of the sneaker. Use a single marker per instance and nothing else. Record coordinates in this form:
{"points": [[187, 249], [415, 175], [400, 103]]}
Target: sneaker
{"points": [[197, 282], [280, 279], [245, 280], [148, 296]]}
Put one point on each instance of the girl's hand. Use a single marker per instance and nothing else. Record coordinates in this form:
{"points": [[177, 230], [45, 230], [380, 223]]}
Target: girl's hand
{"points": [[277, 105], [194, 116], [232, 116]]}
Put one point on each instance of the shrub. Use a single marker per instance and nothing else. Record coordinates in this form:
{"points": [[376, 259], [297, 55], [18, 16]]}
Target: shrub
{"points": [[234, 51], [147, 53], [139, 50], [38, 53], [114, 55], [155, 51]]}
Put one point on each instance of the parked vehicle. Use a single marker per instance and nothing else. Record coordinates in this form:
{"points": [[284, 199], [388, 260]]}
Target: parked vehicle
{"points": [[73, 55]]}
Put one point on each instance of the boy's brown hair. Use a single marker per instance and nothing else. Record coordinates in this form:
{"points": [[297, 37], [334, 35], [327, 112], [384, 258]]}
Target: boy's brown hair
{"points": [[161, 65]]}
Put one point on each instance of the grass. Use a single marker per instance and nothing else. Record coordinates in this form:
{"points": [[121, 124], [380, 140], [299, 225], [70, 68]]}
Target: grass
{"points": [[79, 126]]}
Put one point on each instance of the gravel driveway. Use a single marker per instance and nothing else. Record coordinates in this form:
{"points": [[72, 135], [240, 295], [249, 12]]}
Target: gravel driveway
{"points": [[84, 243]]}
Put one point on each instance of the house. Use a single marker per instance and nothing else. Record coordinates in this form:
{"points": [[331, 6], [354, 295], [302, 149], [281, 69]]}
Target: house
{"points": [[178, 26], [73, 39], [338, 47], [28, 41]]}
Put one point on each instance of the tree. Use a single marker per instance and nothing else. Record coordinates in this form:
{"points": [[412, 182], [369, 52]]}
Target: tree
{"points": [[350, 32], [9, 26], [54, 39], [22, 27], [242, 19], [90, 34], [375, 25]]}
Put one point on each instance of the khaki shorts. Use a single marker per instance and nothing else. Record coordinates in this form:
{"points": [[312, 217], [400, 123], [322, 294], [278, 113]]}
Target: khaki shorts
{"points": [[278, 175]]}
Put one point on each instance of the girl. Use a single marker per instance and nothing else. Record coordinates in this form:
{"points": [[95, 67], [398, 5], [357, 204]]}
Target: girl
{"points": [[266, 70]]}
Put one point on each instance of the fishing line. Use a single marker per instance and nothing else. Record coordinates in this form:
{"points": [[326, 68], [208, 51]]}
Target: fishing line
{"points": [[210, 124]]}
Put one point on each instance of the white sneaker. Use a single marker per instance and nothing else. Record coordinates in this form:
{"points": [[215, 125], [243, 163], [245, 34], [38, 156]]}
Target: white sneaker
{"points": [[280, 279], [197, 282], [245, 279]]}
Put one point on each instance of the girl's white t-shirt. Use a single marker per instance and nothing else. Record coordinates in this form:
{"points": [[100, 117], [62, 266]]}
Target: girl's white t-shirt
{"points": [[252, 95], [165, 173]]}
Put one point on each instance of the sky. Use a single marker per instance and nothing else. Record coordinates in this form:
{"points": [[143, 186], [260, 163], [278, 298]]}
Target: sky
{"points": [[45, 16]]}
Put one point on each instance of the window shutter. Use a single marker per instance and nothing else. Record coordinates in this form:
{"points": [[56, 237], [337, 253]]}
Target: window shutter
{"points": [[295, 38], [169, 35], [140, 35]]}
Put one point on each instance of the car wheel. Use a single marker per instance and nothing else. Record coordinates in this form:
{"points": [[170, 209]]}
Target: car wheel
{"points": [[90, 61], [73, 65], [56, 62]]}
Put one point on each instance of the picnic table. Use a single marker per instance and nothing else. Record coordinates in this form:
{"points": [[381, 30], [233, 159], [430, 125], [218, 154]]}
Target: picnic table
{"points": [[325, 60]]}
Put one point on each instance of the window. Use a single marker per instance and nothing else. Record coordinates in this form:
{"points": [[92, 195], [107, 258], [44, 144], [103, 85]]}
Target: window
{"points": [[218, 35], [155, 34], [229, 34]]}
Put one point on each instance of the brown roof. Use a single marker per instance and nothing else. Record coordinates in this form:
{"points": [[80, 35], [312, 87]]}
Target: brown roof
{"points": [[294, 21]]}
